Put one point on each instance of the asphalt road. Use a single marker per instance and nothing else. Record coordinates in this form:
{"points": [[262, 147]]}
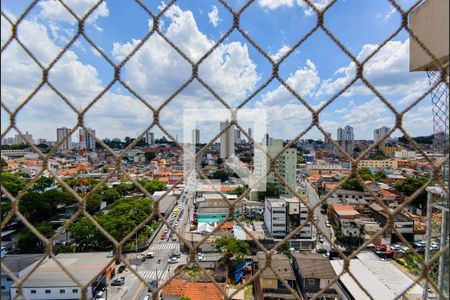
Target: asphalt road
{"points": [[313, 198], [158, 268]]}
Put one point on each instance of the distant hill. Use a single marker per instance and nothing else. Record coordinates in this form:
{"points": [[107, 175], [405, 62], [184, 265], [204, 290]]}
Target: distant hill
{"points": [[427, 140]]}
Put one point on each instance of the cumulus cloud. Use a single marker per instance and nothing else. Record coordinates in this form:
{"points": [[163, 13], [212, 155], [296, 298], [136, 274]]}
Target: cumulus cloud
{"points": [[157, 70], [54, 10], [307, 9], [388, 71], [281, 52], [214, 16]]}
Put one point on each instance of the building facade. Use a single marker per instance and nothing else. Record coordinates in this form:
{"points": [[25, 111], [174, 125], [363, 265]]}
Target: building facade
{"points": [[149, 138], [63, 134], [226, 140], [195, 136], [380, 133], [86, 141]]}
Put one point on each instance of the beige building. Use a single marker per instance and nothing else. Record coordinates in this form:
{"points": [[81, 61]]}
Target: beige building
{"points": [[378, 164]]}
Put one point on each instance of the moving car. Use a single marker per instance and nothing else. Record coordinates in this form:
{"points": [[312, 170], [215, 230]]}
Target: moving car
{"points": [[147, 296], [150, 255], [327, 223], [173, 260], [118, 281]]}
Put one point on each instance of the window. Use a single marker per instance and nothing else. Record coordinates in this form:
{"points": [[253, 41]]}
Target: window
{"points": [[311, 281], [48, 291], [62, 291], [75, 291], [33, 291]]}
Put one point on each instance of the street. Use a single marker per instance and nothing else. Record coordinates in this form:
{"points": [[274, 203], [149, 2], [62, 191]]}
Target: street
{"points": [[163, 247], [313, 199]]}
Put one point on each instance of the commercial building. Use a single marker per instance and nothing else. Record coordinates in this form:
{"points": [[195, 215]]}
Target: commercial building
{"points": [[19, 265], [314, 272], [402, 223], [49, 281], [226, 140], [212, 208], [63, 134], [86, 140], [380, 133], [378, 164], [275, 217], [195, 136]]}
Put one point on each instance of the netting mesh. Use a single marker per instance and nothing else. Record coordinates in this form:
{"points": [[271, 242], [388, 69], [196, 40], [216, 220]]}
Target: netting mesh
{"points": [[116, 78]]}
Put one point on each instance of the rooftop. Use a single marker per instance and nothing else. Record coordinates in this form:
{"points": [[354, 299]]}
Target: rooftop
{"points": [[280, 263], [18, 262], [193, 290], [314, 265], [83, 266]]}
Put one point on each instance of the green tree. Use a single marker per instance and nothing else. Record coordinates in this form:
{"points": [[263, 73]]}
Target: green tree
{"points": [[410, 185], [380, 176], [285, 249], [93, 203], [27, 242], [12, 182], [155, 185], [365, 173], [43, 183], [125, 188], [352, 184], [230, 248], [237, 191], [110, 195], [3, 163], [272, 190], [149, 156], [85, 234], [222, 175], [219, 161], [35, 207]]}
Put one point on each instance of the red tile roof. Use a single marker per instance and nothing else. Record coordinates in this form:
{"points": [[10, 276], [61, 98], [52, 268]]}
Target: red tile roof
{"points": [[386, 193], [193, 290]]}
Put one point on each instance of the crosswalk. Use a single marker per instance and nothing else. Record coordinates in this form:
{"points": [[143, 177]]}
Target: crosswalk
{"points": [[164, 246], [154, 275]]}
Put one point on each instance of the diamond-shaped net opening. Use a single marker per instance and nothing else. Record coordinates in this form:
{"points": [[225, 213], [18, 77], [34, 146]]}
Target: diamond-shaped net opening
{"points": [[121, 229]]}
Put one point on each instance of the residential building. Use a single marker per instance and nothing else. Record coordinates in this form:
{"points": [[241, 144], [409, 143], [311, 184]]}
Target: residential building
{"points": [[179, 288], [149, 138], [41, 141], [345, 218], [275, 217], [296, 215], [237, 135], [378, 164], [63, 134], [226, 140], [314, 272], [86, 140], [18, 265], [268, 285], [285, 165], [250, 133], [8, 141], [49, 281], [195, 136], [20, 140], [405, 154], [403, 224], [345, 138], [380, 133], [327, 169]]}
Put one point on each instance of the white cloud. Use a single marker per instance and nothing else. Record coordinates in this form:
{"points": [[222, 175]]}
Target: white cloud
{"points": [[282, 51], [55, 11], [388, 71], [308, 11], [157, 70], [214, 16], [304, 81]]}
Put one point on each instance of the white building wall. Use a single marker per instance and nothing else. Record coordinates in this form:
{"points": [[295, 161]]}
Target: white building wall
{"points": [[50, 293]]}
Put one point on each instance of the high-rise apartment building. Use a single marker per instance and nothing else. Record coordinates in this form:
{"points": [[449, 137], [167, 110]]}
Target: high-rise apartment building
{"points": [[237, 136], [19, 140], [226, 140], [250, 134], [285, 165], [8, 141], [61, 134], [86, 141], [149, 138], [380, 133], [196, 136], [345, 138]]}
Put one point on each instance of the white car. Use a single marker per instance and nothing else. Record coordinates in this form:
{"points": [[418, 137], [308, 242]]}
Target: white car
{"points": [[327, 223]]}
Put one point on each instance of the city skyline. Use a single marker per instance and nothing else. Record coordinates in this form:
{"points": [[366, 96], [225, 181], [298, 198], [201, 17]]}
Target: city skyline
{"points": [[357, 107]]}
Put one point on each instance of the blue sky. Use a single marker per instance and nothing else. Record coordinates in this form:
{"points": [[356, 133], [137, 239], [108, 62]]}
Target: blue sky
{"points": [[316, 70]]}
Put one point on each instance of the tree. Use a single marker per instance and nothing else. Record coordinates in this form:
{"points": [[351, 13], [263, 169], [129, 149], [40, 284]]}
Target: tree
{"points": [[222, 175], [380, 176], [410, 185], [93, 203], [219, 161], [43, 183], [286, 249], [12, 182], [352, 184], [272, 190], [125, 188], [230, 248], [27, 242], [155, 185], [3, 163], [237, 191], [111, 195], [149, 156], [365, 173], [84, 233]]}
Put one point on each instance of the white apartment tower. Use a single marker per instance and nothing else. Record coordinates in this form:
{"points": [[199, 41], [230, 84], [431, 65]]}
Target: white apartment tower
{"points": [[195, 136], [61, 134], [286, 165], [149, 138], [19, 140], [87, 142], [345, 138], [380, 133], [226, 140]]}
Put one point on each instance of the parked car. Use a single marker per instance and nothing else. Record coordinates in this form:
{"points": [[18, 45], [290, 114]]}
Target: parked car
{"points": [[141, 257], [121, 268], [320, 239], [327, 223], [163, 236], [173, 260], [166, 230], [118, 281], [174, 238], [147, 296], [150, 255]]}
